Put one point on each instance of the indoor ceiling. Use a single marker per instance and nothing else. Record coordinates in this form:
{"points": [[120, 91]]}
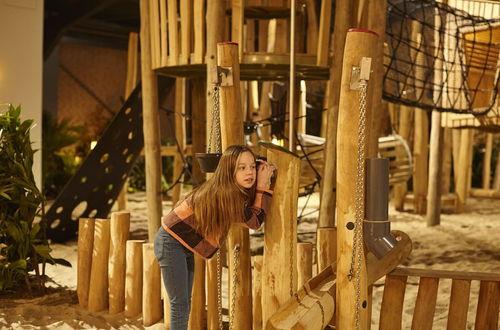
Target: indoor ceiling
{"points": [[104, 22]]}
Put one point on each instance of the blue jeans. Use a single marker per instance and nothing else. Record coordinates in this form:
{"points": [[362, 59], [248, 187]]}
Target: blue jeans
{"points": [[177, 268]]}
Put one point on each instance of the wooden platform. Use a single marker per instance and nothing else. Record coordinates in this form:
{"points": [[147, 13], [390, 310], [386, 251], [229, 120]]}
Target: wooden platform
{"points": [[448, 202], [258, 66]]}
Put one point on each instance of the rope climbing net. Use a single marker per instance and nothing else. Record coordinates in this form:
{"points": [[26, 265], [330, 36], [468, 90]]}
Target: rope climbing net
{"points": [[437, 57]]}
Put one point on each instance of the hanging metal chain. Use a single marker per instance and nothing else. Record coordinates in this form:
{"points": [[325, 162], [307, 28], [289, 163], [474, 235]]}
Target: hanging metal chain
{"points": [[215, 125], [236, 265], [356, 257], [219, 290]]}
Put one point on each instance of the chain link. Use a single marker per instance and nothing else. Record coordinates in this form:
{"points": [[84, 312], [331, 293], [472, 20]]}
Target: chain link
{"points": [[219, 289], [236, 265], [356, 257]]}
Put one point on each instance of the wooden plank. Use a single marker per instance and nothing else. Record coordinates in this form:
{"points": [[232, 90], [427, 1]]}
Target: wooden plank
{"points": [[487, 306], [324, 33], [459, 304], [180, 136], [493, 277], [154, 15], [391, 310], [163, 34], [186, 30], [199, 31], [173, 33], [425, 305]]}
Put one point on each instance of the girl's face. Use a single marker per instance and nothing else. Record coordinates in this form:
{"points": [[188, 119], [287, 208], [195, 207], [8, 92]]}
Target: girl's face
{"points": [[245, 170]]}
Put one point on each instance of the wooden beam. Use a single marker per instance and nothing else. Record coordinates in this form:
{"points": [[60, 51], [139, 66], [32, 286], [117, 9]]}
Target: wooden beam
{"points": [[151, 119], [232, 133]]}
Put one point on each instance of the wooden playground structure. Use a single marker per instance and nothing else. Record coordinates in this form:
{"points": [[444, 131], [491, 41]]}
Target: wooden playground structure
{"points": [[241, 48]]}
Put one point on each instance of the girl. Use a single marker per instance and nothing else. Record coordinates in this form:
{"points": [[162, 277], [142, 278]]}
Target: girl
{"points": [[237, 192]]}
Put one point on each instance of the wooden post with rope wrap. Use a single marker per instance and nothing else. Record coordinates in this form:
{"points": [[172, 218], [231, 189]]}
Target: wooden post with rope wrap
{"points": [[355, 118], [232, 133], [279, 271]]}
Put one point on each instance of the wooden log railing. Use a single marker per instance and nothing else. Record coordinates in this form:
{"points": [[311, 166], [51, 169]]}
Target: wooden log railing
{"points": [[391, 312]]}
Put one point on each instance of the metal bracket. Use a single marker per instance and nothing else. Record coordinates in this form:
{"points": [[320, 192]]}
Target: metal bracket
{"points": [[223, 76], [361, 72]]}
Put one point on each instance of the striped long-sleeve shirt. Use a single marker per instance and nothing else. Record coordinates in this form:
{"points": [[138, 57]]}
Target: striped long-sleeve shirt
{"points": [[180, 223]]}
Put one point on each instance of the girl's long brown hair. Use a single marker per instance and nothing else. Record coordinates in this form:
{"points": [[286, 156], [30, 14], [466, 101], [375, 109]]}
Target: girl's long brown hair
{"points": [[220, 201]]}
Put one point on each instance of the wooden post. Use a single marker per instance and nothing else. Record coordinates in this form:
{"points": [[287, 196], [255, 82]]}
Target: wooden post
{"points": [[198, 316], [463, 168], [326, 245], [199, 30], [257, 293], [120, 227], [304, 263], [133, 278], [359, 44], [343, 20], [325, 19], [151, 125], [435, 171], [130, 84], [420, 155], [151, 288], [237, 20], [400, 189], [85, 247], [180, 129], [154, 20], [173, 33], [215, 33], [487, 161], [232, 133], [186, 30], [98, 289], [312, 27], [198, 126], [163, 34], [496, 181], [279, 271], [446, 181]]}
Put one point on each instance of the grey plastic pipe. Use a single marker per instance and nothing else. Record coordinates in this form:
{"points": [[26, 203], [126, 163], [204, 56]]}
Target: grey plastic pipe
{"points": [[377, 232]]}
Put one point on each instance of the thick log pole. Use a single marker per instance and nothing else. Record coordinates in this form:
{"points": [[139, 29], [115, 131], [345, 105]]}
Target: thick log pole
{"points": [[180, 129], [359, 44], [279, 271], [326, 245], [232, 133], [420, 157], [304, 263], [151, 127], [435, 171], [400, 189], [120, 227], [197, 315], [130, 83], [133, 278], [151, 286], [98, 289], [487, 161], [85, 247], [463, 168], [215, 33], [257, 292], [343, 21]]}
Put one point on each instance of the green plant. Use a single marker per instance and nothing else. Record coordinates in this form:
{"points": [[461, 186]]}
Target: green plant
{"points": [[23, 246], [59, 163]]}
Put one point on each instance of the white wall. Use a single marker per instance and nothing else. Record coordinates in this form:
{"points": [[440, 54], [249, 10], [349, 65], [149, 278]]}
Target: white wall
{"points": [[21, 60]]}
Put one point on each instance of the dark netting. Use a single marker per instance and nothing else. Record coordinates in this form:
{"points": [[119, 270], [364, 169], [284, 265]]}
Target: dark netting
{"points": [[438, 57]]}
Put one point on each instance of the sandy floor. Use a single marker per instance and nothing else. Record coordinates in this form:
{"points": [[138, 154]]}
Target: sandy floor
{"points": [[465, 242]]}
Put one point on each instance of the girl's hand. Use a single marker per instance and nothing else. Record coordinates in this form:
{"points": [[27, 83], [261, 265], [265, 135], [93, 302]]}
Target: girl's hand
{"points": [[265, 172]]}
